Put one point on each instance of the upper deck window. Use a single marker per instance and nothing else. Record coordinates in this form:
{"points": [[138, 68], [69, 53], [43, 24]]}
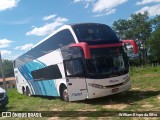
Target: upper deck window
{"points": [[95, 33], [58, 40]]}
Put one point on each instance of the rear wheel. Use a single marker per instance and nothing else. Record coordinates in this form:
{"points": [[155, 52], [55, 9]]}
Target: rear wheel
{"points": [[23, 90], [64, 94], [28, 93]]}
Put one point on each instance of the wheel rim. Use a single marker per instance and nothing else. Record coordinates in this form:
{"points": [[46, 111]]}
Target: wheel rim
{"points": [[65, 95], [28, 92]]}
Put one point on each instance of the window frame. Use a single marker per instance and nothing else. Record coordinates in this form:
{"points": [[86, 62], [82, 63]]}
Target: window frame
{"points": [[78, 75], [34, 74]]}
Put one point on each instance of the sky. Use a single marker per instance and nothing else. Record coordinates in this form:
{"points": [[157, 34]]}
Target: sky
{"points": [[23, 23]]}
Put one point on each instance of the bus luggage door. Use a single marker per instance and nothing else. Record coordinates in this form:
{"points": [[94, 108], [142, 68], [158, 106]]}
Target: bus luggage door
{"points": [[76, 82]]}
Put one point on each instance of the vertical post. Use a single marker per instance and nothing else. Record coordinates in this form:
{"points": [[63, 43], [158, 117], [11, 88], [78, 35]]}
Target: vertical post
{"points": [[3, 77]]}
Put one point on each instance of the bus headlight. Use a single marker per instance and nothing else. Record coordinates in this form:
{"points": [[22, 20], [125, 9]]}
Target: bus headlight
{"points": [[96, 85]]}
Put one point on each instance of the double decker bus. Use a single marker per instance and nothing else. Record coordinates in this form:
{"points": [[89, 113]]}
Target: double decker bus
{"points": [[76, 62]]}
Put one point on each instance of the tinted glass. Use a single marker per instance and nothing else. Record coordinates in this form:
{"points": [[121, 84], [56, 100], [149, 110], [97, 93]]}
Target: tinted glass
{"points": [[107, 62], [50, 72], [74, 67], [71, 52], [95, 33]]}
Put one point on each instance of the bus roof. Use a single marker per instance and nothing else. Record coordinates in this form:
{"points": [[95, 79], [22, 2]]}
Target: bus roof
{"points": [[68, 26]]}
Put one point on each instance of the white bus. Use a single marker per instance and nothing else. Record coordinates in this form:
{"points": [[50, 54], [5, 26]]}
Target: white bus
{"points": [[77, 62]]}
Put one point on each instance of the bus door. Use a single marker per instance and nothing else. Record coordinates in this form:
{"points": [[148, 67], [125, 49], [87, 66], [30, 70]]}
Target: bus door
{"points": [[76, 82]]}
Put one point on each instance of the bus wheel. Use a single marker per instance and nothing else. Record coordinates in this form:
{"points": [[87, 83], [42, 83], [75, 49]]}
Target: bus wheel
{"points": [[23, 90], [64, 94], [28, 93]]}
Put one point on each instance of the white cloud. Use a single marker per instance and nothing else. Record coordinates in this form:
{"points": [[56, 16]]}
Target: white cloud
{"points": [[47, 28], [107, 13], [146, 2], [8, 4], [5, 43], [76, 1], [24, 47], [152, 10], [49, 17], [106, 5], [5, 52], [87, 5], [86, 2], [102, 7]]}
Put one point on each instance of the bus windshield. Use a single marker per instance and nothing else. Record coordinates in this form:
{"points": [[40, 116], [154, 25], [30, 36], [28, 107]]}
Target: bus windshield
{"points": [[107, 62], [95, 33]]}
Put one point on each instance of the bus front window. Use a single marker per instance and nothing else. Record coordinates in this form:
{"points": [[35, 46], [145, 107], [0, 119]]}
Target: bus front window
{"points": [[107, 64], [95, 34]]}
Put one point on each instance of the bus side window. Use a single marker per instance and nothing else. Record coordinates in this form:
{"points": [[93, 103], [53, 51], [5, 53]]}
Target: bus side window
{"points": [[74, 68]]}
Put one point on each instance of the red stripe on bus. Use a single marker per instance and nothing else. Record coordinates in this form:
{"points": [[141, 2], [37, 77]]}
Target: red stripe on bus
{"points": [[86, 48]]}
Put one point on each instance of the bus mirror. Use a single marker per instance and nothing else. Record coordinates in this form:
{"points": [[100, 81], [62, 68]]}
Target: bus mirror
{"points": [[133, 43], [84, 47]]}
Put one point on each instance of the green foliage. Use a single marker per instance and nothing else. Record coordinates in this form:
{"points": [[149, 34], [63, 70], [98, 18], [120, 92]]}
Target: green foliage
{"points": [[154, 44], [143, 96], [121, 27], [139, 27], [156, 22], [8, 68]]}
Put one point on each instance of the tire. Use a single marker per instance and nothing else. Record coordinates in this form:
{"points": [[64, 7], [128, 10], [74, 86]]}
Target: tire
{"points": [[28, 93], [23, 91], [64, 94]]}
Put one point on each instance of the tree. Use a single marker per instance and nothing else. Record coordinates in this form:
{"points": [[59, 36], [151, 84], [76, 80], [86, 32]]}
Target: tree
{"points": [[138, 27], [156, 22], [7, 68], [154, 44], [121, 27]]}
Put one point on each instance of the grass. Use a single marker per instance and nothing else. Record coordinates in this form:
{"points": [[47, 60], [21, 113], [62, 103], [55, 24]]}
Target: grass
{"points": [[143, 96]]}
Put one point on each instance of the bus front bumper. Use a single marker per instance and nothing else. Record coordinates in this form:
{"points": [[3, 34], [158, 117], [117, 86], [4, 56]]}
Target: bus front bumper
{"points": [[97, 92]]}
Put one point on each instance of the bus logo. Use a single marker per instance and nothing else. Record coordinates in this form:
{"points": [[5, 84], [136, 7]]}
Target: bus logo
{"points": [[113, 81]]}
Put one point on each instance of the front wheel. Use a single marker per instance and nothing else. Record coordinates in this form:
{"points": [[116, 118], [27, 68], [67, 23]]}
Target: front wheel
{"points": [[64, 94]]}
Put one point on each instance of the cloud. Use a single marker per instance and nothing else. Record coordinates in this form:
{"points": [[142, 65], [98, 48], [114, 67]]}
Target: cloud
{"points": [[102, 7], [8, 4], [107, 13], [5, 52], [152, 10], [48, 28], [5, 43], [147, 1], [76, 1], [86, 2], [107, 5], [49, 17], [24, 47]]}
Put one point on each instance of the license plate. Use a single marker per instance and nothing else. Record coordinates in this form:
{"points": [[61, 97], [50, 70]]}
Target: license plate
{"points": [[115, 90]]}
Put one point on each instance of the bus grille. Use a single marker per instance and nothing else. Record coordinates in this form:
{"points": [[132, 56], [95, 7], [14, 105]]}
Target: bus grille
{"points": [[1, 95], [117, 85]]}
